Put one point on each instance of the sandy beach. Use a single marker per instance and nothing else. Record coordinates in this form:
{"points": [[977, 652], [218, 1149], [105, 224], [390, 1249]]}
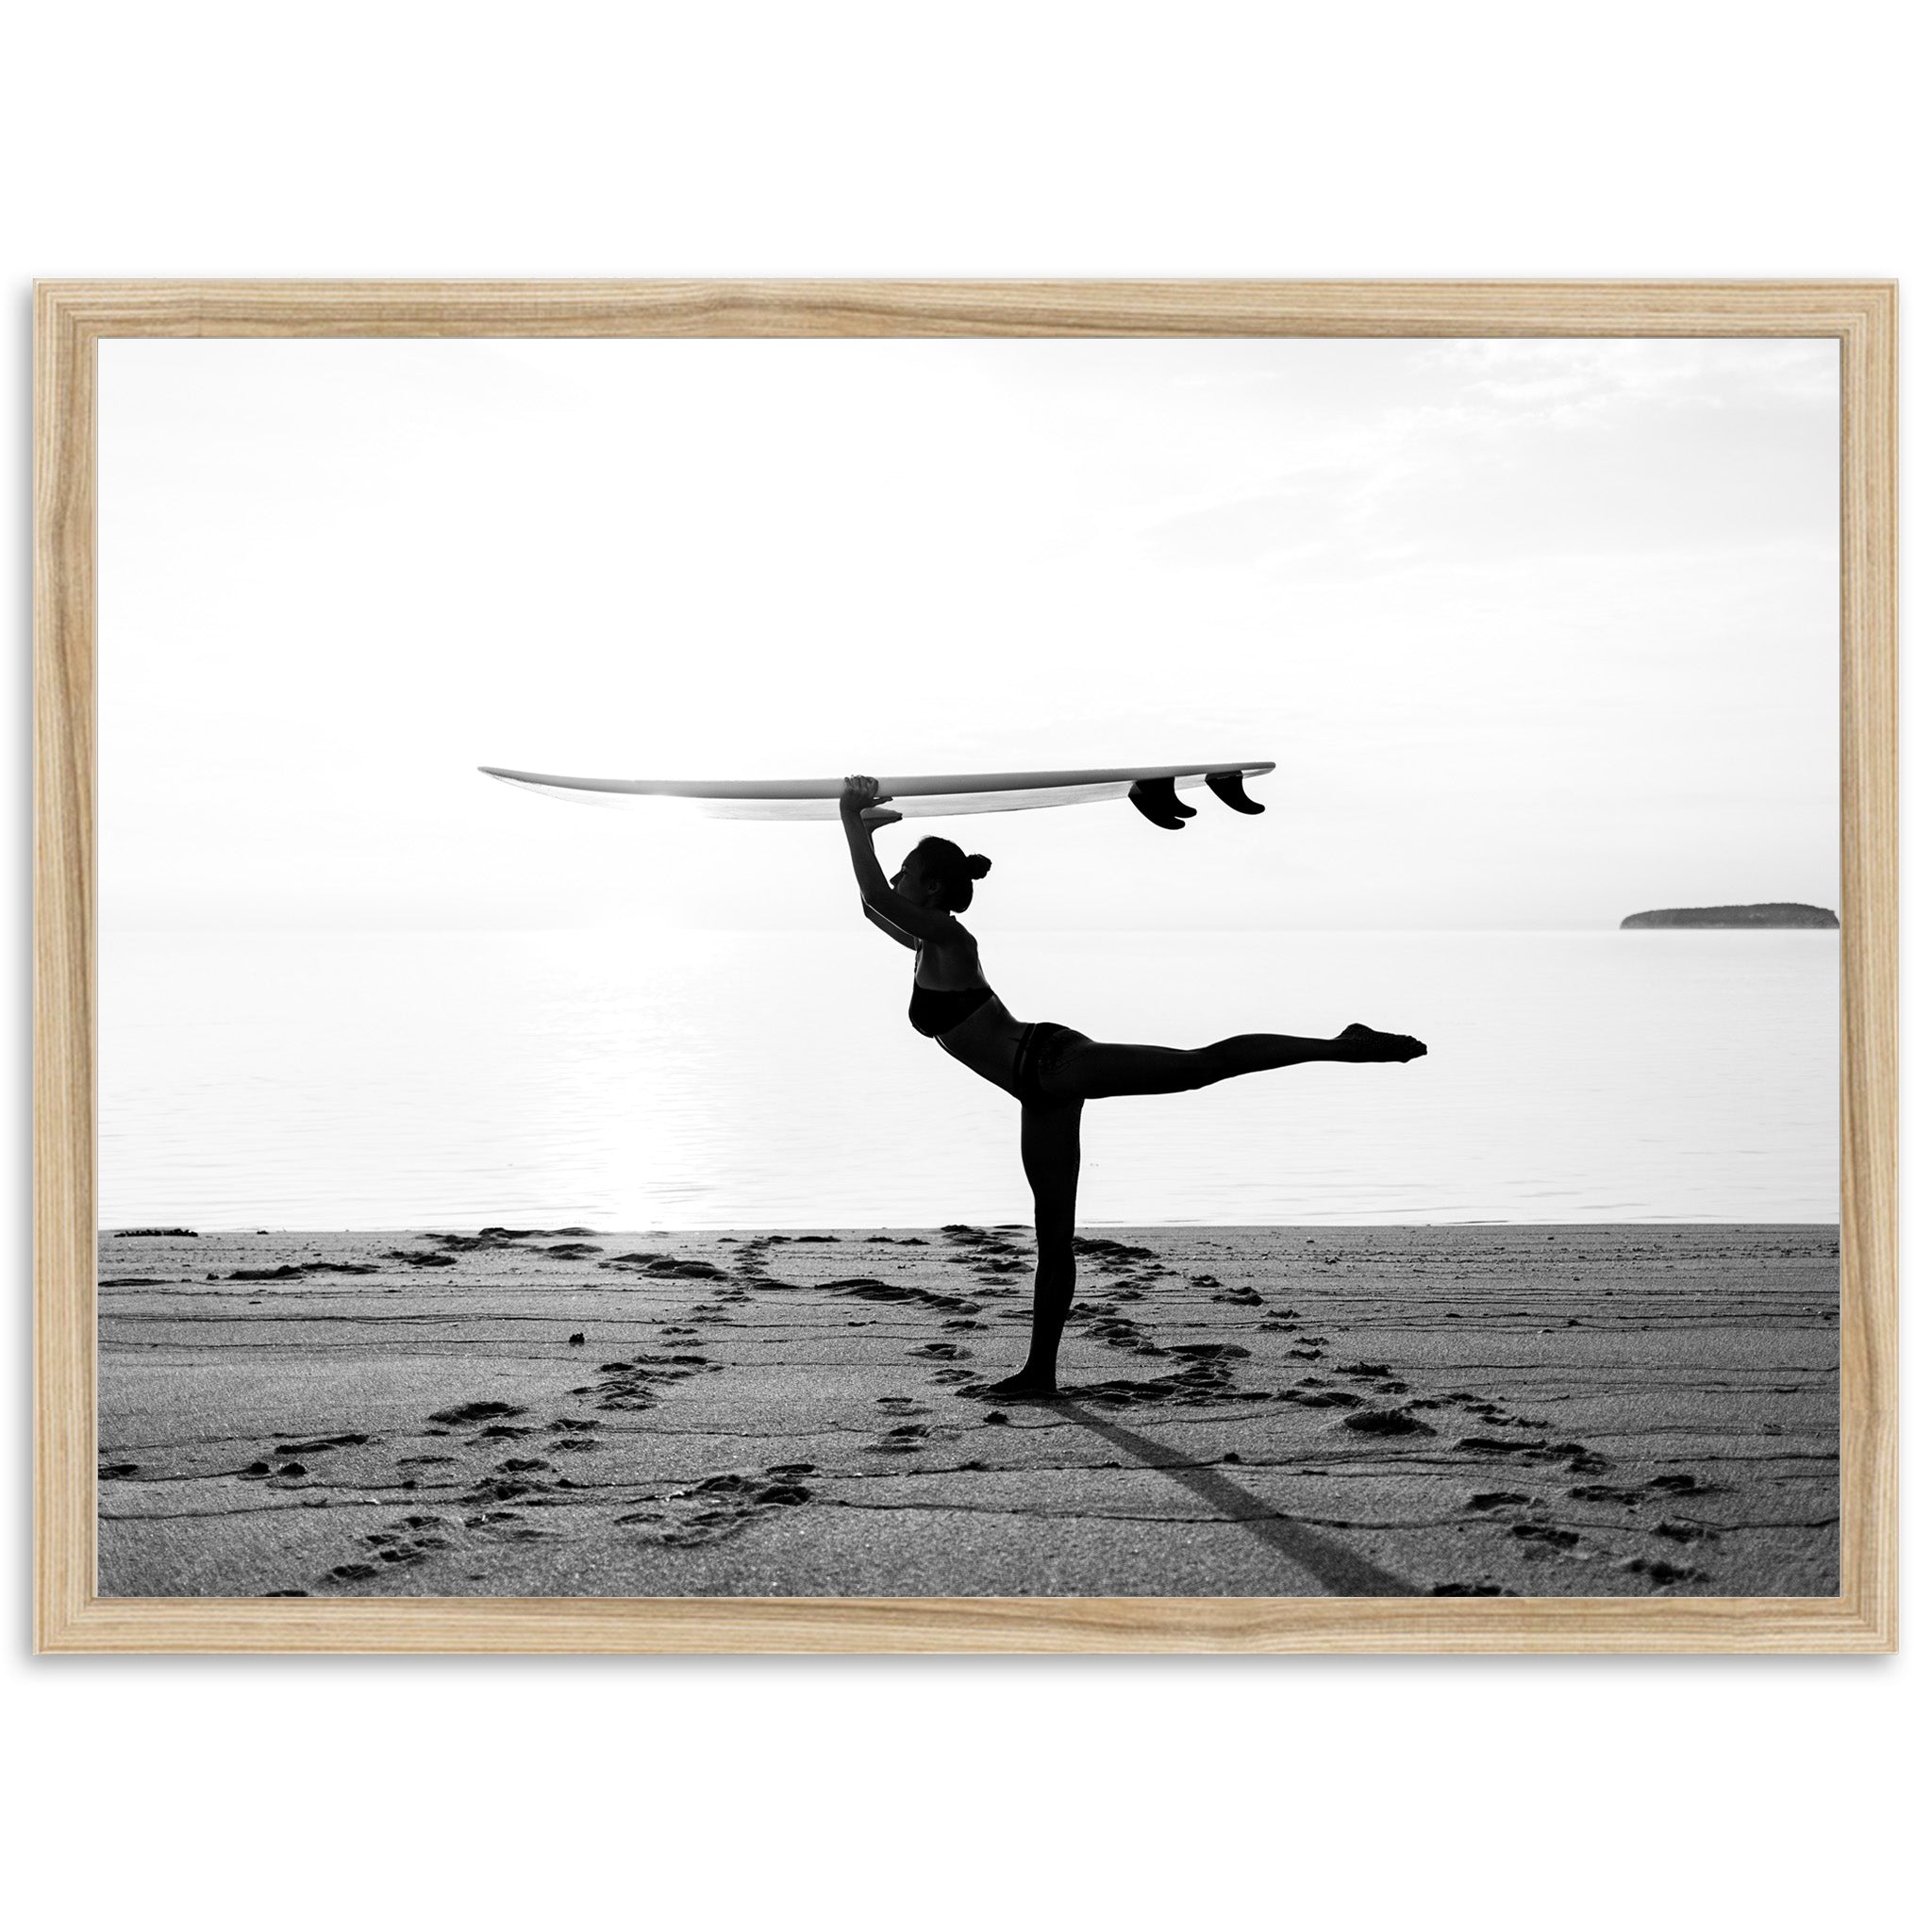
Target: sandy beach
{"points": [[1608, 1410]]}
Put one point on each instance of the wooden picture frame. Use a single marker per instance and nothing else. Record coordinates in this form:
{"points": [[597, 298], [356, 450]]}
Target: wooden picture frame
{"points": [[73, 317]]}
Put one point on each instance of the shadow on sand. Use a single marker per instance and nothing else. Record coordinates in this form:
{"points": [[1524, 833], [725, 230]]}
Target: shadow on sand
{"points": [[1337, 1570]]}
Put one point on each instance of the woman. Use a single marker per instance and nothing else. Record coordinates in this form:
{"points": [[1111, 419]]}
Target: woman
{"points": [[1049, 1069]]}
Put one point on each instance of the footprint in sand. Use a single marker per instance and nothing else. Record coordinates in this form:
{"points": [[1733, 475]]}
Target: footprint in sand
{"points": [[635, 1384], [529, 1482], [292, 1271], [905, 1439], [720, 1506], [1661, 1572], [474, 1412], [1679, 1483], [1386, 1421], [1207, 1377], [500, 1524], [1098, 1248], [1605, 1492], [1543, 1533], [1684, 1532], [1573, 1456], [669, 1265], [1119, 1331], [407, 1544]]}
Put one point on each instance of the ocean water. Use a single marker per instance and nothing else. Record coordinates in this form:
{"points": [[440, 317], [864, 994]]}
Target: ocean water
{"points": [[634, 1079]]}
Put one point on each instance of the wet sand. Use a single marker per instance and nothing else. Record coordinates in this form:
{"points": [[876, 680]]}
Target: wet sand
{"points": [[1270, 1411]]}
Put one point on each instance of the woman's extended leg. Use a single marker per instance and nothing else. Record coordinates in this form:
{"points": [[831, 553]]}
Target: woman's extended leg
{"points": [[1102, 1070], [1050, 1150]]}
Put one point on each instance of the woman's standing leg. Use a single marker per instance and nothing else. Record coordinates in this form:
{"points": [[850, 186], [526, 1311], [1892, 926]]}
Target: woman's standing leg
{"points": [[1050, 1150]]}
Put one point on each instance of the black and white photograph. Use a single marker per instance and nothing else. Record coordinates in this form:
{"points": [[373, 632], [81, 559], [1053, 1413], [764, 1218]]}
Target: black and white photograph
{"points": [[878, 968]]}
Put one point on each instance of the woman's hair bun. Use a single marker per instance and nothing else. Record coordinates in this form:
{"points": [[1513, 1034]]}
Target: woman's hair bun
{"points": [[978, 865]]}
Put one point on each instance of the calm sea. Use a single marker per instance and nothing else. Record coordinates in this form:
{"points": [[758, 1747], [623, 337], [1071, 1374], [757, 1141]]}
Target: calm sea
{"points": [[633, 1080]]}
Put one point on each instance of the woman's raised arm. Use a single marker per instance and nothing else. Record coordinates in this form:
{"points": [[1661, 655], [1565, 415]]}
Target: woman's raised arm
{"points": [[861, 815]]}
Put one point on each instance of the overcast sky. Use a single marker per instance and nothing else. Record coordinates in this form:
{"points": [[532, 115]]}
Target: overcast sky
{"points": [[1539, 633]]}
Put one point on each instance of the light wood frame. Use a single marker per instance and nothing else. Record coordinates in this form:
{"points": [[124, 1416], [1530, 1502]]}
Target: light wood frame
{"points": [[73, 316]]}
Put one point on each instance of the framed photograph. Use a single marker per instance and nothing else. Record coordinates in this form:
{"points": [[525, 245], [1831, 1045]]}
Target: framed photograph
{"points": [[1417, 1174]]}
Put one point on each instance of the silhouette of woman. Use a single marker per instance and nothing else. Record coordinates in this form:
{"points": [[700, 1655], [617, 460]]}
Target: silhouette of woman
{"points": [[1049, 1069]]}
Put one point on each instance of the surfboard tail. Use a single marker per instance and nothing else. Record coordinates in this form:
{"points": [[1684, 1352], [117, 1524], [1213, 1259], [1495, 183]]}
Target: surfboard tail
{"points": [[1156, 801], [1226, 786]]}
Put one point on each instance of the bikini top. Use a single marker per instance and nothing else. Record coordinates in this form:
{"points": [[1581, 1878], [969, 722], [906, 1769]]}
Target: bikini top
{"points": [[934, 1011]]}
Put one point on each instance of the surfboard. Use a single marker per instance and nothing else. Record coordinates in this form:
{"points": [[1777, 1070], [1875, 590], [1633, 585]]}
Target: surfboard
{"points": [[1152, 790]]}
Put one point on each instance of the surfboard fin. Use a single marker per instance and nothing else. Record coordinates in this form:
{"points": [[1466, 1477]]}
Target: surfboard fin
{"points": [[1155, 800], [1226, 786]]}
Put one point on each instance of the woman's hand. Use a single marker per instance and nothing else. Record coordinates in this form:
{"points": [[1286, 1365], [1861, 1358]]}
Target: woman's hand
{"points": [[858, 802], [859, 795]]}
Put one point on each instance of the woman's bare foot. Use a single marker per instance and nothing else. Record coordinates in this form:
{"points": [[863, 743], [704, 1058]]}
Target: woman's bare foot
{"points": [[1024, 1386], [1359, 1042]]}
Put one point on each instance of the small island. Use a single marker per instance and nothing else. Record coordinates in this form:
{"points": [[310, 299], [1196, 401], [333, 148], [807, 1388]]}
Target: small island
{"points": [[1750, 918]]}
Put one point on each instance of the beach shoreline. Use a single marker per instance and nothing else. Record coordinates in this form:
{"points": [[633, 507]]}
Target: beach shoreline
{"points": [[1590, 1409]]}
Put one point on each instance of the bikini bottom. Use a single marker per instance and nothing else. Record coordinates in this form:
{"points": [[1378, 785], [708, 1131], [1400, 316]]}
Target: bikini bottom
{"points": [[1043, 1046]]}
